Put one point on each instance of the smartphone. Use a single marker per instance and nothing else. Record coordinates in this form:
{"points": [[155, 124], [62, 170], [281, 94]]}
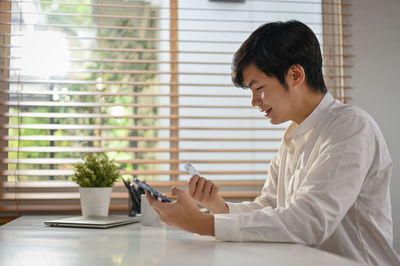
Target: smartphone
{"points": [[150, 189]]}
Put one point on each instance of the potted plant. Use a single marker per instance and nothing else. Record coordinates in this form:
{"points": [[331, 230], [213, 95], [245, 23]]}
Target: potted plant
{"points": [[95, 177]]}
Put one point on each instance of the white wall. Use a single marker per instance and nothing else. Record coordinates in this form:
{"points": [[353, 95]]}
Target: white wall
{"points": [[376, 78]]}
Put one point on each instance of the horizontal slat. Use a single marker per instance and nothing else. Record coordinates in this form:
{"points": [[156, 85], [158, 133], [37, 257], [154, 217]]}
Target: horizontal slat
{"points": [[42, 25], [133, 161], [69, 184], [133, 83], [142, 173], [99, 104], [82, 82], [79, 26], [79, 60], [194, 19], [152, 51], [83, 38], [327, 44], [102, 149], [52, 196], [156, 7], [146, 7], [96, 105], [148, 72], [129, 61], [40, 172], [131, 127], [136, 50], [92, 115], [53, 207], [115, 195], [131, 72], [138, 94], [122, 172], [100, 138], [4, 220]]}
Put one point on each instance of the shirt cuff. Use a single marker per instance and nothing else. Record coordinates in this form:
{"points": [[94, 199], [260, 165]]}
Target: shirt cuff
{"points": [[234, 207], [226, 227]]}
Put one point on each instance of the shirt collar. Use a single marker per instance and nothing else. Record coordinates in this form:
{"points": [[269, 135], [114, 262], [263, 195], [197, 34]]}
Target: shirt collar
{"points": [[312, 120]]}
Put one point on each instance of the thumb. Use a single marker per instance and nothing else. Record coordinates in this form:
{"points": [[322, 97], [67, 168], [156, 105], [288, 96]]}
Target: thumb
{"points": [[184, 198], [178, 192]]}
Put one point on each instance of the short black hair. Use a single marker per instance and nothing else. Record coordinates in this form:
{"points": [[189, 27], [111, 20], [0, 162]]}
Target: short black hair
{"points": [[275, 47]]}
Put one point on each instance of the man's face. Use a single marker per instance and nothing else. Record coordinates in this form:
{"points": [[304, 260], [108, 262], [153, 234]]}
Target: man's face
{"points": [[269, 95]]}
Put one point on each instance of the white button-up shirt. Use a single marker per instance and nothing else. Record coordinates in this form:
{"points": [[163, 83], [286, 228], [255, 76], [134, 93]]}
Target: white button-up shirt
{"points": [[327, 187]]}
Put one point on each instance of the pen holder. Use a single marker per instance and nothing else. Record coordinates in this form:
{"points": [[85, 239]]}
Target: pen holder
{"points": [[132, 208], [149, 216], [134, 198]]}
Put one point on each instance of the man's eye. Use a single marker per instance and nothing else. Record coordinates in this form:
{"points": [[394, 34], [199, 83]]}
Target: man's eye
{"points": [[259, 88]]}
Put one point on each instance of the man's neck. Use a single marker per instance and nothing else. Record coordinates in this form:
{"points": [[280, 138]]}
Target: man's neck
{"points": [[308, 103]]}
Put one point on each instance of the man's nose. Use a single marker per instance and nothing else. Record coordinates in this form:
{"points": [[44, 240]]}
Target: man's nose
{"points": [[255, 100]]}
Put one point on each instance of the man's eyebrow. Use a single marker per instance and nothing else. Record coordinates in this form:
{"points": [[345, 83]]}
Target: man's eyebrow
{"points": [[251, 83]]}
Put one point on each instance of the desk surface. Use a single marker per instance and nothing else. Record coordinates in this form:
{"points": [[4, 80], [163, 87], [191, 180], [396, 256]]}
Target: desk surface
{"points": [[26, 241]]}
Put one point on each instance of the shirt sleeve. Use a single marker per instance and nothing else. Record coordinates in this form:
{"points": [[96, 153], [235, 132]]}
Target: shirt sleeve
{"points": [[268, 195], [327, 192]]}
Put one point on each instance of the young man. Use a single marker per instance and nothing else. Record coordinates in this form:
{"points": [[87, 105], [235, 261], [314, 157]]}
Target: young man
{"points": [[327, 187]]}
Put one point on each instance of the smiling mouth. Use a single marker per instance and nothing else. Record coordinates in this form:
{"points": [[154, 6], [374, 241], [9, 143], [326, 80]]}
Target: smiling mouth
{"points": [[268, 112]]}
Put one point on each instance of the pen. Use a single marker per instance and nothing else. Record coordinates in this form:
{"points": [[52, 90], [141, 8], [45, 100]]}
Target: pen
{"points": [[132, 194], [190, 169], [136, 192]]}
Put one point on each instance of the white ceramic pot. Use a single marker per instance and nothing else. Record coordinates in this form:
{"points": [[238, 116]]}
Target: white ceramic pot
{"points": [[95, 201], [149, 215]]}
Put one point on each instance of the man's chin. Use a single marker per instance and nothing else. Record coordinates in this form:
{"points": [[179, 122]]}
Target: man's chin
{"points": [[276, 121]]}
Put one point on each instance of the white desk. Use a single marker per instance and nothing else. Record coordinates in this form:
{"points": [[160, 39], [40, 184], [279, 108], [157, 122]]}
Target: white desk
{"points": [[26, 241]]}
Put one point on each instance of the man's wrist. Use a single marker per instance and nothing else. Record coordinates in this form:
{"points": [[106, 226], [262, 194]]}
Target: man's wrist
{"points": [[205, 225], [224, 209]]}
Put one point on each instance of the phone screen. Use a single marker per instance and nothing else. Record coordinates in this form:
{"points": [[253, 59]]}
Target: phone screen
{"points": [[152, 190]]}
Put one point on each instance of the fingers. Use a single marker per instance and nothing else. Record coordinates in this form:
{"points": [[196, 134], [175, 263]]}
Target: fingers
{"points": [[150, 198], [198, 193], [177, 191], [153, 201], [192, 184], [183, 198], [200, 188], [207, 190], [214, 192]]}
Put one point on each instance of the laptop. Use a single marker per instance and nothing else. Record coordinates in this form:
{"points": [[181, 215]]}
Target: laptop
{"points": [[100, 222]]}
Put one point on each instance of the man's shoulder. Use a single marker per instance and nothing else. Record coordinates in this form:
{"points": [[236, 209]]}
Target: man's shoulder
{"points": [[343, 121], [338, 108], [340, 112]]}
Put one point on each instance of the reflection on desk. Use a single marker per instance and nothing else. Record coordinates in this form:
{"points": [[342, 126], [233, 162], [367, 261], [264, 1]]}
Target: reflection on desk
{"points": [[26, 241]]}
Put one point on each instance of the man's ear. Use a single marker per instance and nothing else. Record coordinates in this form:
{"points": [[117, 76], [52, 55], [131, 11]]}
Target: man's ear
{"points": [[296, 75]]}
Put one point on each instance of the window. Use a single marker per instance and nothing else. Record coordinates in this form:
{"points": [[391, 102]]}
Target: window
{"points": [[146, 82]]}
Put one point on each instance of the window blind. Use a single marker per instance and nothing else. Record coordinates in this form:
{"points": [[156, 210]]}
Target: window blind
{"points": [[146, 82]]}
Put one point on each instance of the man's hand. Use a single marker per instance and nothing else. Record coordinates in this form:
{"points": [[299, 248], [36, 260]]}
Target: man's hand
{"points": [[183, 213], [205, 193]]}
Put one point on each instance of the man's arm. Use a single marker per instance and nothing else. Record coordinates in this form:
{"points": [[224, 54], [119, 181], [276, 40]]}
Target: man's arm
{"points": [[268, 197], [323, 198], [205, 193], [184, 214]]}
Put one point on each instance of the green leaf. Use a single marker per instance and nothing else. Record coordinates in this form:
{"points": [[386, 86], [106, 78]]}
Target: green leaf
{"points": [[95, 171]]}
